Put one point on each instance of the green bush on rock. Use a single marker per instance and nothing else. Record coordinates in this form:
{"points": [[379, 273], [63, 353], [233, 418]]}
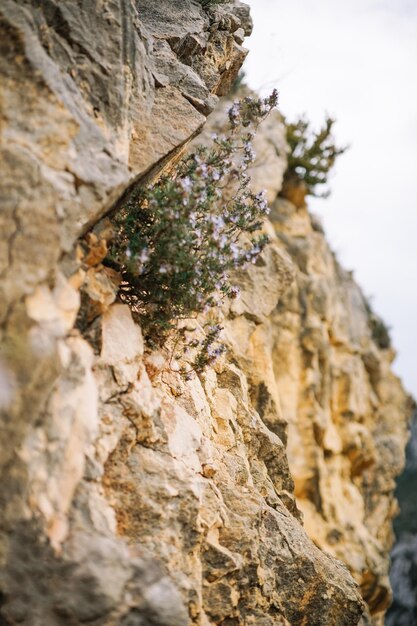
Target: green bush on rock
{"points": [[379, 330], [178, 240], [311, 156]]}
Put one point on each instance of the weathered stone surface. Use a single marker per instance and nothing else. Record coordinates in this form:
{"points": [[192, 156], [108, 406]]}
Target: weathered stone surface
{"points": [[130, 496], [207, 489], [346, 411], [83, 114]]}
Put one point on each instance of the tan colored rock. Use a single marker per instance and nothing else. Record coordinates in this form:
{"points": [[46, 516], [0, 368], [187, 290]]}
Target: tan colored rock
{"points": [[345, 437], [258, 297], [97, 249], [83, 115], [55, 453], [55, 311], [218, 532], [101, 285], [128, 494], [122, 338]]}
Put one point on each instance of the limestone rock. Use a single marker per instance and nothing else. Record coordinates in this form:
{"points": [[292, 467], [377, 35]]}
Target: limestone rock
{"points": [[346, 411], [92, 98], [129, 495]]}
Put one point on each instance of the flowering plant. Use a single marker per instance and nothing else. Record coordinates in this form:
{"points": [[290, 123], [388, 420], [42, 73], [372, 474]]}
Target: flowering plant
{"points": [[178, 240]]}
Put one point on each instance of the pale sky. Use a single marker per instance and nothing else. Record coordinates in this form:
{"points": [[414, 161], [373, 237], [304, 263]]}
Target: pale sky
{"points": [[357, 61]]}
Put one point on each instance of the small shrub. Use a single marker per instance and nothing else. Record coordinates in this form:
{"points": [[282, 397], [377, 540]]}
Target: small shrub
{"points": [[379, 330], [178, 240], [311, 156]]}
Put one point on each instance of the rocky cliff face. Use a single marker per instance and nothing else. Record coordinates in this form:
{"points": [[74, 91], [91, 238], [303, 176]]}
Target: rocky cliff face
{"points": [[344, 408], [130, 496]]}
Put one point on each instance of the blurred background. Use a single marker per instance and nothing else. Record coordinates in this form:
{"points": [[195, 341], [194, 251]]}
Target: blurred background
{"points": [[356, 61]]}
